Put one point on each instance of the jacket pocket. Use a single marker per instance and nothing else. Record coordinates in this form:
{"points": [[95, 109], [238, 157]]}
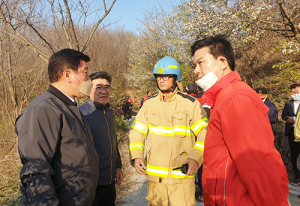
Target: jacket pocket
{"points": [[153, 119], [181, 157], [181, 125]]}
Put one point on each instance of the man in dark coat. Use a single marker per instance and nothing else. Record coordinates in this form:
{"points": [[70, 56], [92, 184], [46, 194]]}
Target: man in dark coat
{"points": [[60, 164], [289, 115], [103, 126], [273, 112]]}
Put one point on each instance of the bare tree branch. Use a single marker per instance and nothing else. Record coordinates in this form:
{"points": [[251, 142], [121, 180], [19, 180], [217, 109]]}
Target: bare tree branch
{"points": [[291, 21], [27, 43], [104, 6], [61, 23], [31, 26], [71, 25], [96, 26]]}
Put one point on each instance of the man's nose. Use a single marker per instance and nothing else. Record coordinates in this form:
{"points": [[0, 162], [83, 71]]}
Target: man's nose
{"points": [[196, 70]]}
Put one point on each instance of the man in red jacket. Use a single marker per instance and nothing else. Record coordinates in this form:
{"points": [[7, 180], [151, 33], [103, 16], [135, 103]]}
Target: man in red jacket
{"points": [[241, 165]]}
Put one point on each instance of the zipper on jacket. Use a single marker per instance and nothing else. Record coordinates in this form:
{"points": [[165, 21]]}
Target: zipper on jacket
{"points": [[110, 147]]}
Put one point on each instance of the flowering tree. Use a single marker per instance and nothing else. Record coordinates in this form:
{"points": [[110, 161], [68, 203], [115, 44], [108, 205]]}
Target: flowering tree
{"points": [[254, 28]]}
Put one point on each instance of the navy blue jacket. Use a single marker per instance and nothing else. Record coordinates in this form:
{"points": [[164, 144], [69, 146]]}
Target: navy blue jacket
{"points": [[103, 126], [273, 112]]}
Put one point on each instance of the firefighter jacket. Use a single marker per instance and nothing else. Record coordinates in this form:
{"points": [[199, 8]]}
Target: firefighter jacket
{"points": [[171, 124], [241, 165]]}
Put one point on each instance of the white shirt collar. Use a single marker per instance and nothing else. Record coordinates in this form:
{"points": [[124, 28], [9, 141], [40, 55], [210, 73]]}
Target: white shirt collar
{"points": [[73, 100]]}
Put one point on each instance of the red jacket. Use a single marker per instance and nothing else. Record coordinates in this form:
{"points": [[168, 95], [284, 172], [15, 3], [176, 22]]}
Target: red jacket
{"points": [[241, 165]]}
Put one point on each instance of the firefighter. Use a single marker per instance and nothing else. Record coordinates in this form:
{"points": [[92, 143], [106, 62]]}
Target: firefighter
{"points": [[175, 124]]}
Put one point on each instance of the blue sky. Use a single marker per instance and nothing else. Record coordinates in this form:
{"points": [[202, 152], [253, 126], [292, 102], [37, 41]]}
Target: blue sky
{"points": [[128, 11]]}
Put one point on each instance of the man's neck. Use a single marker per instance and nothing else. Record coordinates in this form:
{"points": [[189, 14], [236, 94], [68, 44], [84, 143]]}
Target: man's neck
{"points": [[63, 88]]}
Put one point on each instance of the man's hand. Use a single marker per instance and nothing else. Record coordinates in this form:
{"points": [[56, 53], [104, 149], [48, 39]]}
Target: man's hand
{"points": [[119, 176], [140, 166], [193, 166], [290, 120]]}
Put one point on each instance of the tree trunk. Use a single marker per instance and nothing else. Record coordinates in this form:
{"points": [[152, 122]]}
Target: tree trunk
{"points": [[293, 25]]}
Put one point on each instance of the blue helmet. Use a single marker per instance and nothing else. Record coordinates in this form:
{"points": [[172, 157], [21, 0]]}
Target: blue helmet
{"points": [[167, 65]]}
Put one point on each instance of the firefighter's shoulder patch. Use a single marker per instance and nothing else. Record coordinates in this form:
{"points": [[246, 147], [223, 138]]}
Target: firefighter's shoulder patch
{"points": [[186, 96]]}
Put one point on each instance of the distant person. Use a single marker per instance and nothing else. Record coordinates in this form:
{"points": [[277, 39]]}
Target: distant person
{"points": [[130, 104], [147, 96], [127, 107], [200, 92], [103, 126], [241, 165], [273, 112], [289, 115], [60, 164], [170, 120], [192, 90]]}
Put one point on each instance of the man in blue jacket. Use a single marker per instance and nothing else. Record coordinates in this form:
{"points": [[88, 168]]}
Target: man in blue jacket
{"points": [[273, 112], [103, 126]]}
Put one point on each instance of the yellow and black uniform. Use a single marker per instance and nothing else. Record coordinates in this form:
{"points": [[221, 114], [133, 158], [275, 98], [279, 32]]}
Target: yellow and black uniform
{"points": [[171, 124]]}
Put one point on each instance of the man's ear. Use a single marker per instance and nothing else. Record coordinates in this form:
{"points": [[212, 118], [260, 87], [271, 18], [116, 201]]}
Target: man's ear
{"points": [[67, 75], [224, 62]]}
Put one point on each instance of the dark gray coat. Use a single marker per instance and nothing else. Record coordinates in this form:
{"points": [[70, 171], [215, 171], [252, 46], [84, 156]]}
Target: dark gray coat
{"points": [[103, 126], [288, 110], [60, 164]]}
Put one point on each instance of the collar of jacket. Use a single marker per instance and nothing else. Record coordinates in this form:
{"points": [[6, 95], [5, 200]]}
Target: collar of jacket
{"points": [[211, 94], [96, 105], [53, 90], [170, 97]]}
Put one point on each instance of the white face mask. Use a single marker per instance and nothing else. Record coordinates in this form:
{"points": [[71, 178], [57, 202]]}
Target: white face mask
{"points": [[208, 80], [85, 87], [297, 97], [293, 97]]}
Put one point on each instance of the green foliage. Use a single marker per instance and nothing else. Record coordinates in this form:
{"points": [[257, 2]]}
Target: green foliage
{"points": [[122, 128]]}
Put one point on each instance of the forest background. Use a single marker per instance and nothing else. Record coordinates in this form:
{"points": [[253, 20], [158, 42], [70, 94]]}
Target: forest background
{"points": [[265, 35]]}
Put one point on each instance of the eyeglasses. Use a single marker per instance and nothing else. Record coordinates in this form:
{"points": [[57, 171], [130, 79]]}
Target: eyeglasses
{"points": [[165, 78], [107, 88]]}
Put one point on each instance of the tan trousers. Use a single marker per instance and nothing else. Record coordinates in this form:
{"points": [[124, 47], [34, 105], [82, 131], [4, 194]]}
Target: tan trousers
{"points": [[160, 194]]}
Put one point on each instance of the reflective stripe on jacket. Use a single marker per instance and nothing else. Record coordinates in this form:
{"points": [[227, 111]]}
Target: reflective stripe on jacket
{"points": [[171, 125]]}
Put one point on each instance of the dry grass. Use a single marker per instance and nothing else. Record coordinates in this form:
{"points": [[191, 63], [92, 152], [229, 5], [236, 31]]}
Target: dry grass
{"points": [[9, 166]]}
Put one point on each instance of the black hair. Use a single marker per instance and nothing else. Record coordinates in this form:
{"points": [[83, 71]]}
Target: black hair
{"points": [[218, 46], [293, 86], [101, 75], [148, 92], [64, 59], [191, 89]]}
